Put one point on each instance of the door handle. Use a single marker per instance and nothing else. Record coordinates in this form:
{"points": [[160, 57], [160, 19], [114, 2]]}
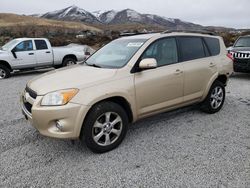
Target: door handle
{"points": [[48, 52], [31, 53], [178, 71], [211, 65]]}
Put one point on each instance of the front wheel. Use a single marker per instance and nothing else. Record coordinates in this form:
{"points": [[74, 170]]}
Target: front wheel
{"points": [[105, 127], [215, 98], [4, 72]]}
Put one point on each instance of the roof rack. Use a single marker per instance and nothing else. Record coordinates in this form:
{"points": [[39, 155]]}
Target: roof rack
{"points": [[138, 33], [190, 31]]}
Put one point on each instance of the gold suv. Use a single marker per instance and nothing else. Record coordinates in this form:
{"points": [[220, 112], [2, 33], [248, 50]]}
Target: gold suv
{"points": [[129, 79]]}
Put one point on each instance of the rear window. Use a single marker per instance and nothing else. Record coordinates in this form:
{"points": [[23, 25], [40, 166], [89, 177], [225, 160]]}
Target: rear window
{"points": [[191, 48], [213, 45], [41, 45]]}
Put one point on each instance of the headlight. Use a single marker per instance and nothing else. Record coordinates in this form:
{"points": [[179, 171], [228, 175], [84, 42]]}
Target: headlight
{"points": [[58, 98]]}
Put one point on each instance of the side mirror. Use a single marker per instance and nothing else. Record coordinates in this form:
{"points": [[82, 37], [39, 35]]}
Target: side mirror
{"points": [[149, 63], [13, 51]]}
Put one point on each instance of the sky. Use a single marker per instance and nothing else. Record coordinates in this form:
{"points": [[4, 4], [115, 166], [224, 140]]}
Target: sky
{"points": [[228, 13]]}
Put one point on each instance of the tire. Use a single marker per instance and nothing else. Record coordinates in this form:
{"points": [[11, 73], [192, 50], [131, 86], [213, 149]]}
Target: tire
{"points": [[4, 72], [99, 134], [68, 62], [57, 66], [215, 98]]}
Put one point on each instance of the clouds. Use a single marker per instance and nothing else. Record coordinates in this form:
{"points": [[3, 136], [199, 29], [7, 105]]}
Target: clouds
{"points": [[230, 13]]}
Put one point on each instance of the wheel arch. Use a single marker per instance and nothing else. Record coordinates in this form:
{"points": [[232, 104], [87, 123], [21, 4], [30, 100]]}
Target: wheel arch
{"points": [[120, 101], [5, 63], [217, 77], [69, 56], [123, 102], [223, 79]]}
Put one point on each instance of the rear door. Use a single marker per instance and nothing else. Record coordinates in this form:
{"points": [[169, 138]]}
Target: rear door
{"points": [[160, 88], [198, 66], [44, 55], [25, 55]]}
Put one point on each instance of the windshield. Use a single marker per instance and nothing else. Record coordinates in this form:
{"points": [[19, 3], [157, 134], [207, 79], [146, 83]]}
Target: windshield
{"points": [[10, 44], [243, 42], [116, 54]]}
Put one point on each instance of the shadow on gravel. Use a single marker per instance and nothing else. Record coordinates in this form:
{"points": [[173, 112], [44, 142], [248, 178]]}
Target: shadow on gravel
{"points": [[30, 72], [165, 116], [68, 147]]}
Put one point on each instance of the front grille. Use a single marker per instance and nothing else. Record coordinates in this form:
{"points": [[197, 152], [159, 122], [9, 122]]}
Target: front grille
{"points": [[242, 61], [240, 55], [32, 93]]}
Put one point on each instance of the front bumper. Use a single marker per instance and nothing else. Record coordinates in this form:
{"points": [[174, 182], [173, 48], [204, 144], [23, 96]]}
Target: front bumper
{"points": [[242, 65], [46, 119]]}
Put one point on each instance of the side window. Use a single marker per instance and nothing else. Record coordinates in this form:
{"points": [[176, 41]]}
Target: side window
{"points": [[24, 46], [164, 51], [191, 48], [206, 50], [41, 45], [213, 45]]}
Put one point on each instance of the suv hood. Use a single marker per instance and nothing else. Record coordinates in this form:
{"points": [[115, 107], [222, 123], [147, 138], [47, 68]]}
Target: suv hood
{"points": [[79, 76], [241, 49], [2, 51]]}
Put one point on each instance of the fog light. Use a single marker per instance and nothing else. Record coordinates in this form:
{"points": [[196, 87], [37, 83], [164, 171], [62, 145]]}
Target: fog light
{"points": [[59, 125]]}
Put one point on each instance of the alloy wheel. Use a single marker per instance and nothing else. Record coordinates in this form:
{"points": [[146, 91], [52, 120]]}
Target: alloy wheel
{"points": [[216, 97], [107, 129]]}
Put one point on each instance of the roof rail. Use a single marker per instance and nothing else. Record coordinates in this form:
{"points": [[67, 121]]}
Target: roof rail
{"points": [[190, 31], [138, 33]]}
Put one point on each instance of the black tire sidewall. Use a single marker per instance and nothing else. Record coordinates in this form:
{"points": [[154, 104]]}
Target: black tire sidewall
{"points": [[206, 107], [7, 71], [66, 60], [96, 111]]}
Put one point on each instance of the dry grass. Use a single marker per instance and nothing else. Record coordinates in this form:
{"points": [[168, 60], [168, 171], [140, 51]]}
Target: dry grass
{"points": [[10, 20], [131, 27]]}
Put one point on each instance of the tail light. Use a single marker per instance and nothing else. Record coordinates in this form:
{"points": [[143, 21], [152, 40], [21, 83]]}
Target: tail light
{"points": [[230, 55]]}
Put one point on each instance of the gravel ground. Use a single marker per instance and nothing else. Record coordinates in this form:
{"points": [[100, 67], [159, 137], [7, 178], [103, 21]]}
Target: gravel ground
{"points": [[183, 148]]}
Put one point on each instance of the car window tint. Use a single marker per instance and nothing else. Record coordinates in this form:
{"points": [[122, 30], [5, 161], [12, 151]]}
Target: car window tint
{"points": [[41, 45], [24, 46], [206, 50], [213, 45], [164, 51], [191, 48]]}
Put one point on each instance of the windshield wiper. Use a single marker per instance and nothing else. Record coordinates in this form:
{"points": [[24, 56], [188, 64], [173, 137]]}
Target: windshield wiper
{"points": [[93, 65]]}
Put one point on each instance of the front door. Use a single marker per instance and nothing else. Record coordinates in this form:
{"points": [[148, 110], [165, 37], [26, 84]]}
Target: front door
{"points": [[160, 88], [25, 55]]}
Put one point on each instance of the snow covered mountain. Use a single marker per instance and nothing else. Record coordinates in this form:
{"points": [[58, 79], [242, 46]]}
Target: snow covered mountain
{"points": [[127, 16], [72, 13]]}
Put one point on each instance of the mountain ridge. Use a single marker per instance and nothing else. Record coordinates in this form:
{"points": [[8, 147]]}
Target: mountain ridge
{"points": [[113, 17]]}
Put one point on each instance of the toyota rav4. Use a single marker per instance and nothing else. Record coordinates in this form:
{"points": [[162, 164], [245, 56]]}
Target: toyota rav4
{"points": [[129, 79]]}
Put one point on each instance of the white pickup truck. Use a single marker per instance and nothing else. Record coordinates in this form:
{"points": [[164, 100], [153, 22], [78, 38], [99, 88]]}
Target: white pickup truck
{"points": [[34, 53]]}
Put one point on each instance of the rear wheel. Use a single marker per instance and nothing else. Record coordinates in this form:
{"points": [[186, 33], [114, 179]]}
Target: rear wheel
{"points": [[105, 127], [215, 98], [57, 66], [68, 62], [4, 72]]}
